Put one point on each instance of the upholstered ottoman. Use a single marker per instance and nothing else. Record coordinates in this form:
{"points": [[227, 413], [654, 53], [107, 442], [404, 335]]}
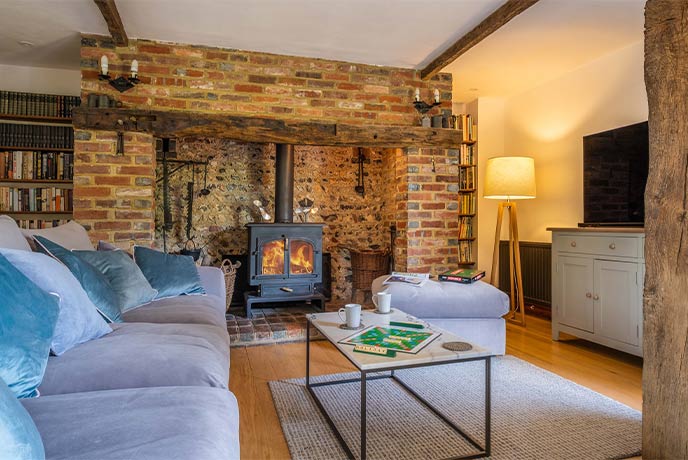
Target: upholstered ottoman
{"points": [[472, 311]]}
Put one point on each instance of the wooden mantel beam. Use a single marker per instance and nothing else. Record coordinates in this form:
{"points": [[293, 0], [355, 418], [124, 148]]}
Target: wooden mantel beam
{"points": [[497, 19], [262, 130], [109, 11]]}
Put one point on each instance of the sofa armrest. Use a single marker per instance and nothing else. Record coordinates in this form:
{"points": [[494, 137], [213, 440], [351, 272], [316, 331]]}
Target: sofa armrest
{"points": [[213, 281]]}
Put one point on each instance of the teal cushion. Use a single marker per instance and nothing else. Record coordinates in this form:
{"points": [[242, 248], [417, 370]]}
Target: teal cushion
{"points": [[95, 284], [124, 276], [27, 321], [171, 275], [19, 437], [78, 321]]}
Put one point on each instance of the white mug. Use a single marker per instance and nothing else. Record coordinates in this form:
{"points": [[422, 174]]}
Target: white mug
{"points": [[352, 312], [383, 301]]}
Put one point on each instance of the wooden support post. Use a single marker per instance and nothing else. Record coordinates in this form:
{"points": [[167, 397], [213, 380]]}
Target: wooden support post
{"points": [[665, 308], [109, 11]]}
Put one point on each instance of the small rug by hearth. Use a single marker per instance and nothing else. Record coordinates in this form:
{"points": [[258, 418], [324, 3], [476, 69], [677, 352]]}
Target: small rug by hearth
{"points": [[535, 415]]}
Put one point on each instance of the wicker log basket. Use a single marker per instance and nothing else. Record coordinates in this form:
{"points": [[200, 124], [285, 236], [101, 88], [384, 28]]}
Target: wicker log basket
{"points": [[368, 264], [230, 271]]}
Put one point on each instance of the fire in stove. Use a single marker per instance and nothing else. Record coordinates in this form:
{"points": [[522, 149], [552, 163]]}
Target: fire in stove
{"points": [[301, 258]]}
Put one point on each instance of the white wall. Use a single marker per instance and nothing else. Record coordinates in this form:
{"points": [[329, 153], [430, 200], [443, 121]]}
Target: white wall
{"points": [[549, 122], [40, 80]]}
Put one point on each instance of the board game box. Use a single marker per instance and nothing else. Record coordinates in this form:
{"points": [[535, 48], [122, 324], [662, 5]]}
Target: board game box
{"points": [[392, 338]]}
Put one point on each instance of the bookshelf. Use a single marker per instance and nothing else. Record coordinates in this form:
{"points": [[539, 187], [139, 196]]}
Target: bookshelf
{"points": [[468, 188], [36, 158]]}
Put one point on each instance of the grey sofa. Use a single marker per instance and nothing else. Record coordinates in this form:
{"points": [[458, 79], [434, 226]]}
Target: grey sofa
{"points": [[149, 390]]}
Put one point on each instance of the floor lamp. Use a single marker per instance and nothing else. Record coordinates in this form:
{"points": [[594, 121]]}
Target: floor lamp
{"points": [[510, 178]]}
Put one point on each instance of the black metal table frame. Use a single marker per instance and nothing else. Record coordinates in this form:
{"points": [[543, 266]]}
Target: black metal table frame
{"points": [[483, 451]]}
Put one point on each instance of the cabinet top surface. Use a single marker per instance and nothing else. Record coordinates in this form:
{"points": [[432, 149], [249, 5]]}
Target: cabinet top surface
{"points": [[636, 230]]}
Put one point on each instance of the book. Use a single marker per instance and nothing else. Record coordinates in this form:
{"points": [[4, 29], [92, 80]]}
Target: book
{"points": [[462, 275], [413, 279]]}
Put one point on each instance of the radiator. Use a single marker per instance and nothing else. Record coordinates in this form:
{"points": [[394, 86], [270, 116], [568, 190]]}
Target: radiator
{"points": [[536, 269]]}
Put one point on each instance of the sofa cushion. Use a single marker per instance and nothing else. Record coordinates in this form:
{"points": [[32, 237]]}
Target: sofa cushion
{"points": [[78, 320], [10, 235], [218, 337], [27, 321], [70, 235], [95, 284], [194, 309], [169, 423], [19, 438], [124, 276], [446, 300], [128, 358], [171, 275]]}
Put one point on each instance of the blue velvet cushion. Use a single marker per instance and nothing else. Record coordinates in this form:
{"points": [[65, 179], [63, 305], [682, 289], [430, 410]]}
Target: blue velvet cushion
{"points": [[27, 321], [19, 437], [124, 276], [78, 321], [95, 284], [171, 275]]}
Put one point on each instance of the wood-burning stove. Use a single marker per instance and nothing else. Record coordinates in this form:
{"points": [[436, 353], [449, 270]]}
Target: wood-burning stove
{"points": [[285, 259]]}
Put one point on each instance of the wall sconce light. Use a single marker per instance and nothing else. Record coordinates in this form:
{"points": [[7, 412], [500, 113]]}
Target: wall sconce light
{"points": [[423, 107], [120, 83]]}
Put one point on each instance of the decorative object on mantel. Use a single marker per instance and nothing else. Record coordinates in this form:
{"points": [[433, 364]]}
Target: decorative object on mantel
{"points": [[305, 209], [120, 83], [510, 178], [423, 107]]}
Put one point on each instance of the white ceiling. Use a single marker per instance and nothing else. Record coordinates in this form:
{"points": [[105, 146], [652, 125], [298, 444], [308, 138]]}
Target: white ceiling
{"points": [[549, 39]]}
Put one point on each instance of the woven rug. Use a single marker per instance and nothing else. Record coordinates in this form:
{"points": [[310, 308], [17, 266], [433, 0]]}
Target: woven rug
{"points": [[535, 415]]}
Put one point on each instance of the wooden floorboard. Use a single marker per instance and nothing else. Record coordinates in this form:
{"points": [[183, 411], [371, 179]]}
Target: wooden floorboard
{"points": [[612, 373]]}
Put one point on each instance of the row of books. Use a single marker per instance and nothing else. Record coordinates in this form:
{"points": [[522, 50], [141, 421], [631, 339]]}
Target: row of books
{"points": [[36, 165], [37, 105], [35, 224], [467, 203], [466, 178], [465, 227], [35, 199], [36, 136], [465, 251], [466, 156], [469, 129]]}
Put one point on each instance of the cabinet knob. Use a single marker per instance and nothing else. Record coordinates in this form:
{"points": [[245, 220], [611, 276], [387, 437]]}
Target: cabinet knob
{"points": [[595, 297], [612, 246], [573, 244], [588, 295]]}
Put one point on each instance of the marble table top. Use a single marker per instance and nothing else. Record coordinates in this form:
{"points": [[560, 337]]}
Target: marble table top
{"points": [[433, 353]]}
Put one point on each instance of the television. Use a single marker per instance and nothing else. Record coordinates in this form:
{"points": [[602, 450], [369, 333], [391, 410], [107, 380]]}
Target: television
{"points": [[615, 165]]}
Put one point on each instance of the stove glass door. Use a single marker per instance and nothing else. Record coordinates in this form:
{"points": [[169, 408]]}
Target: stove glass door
{"points": [[301, 257], [273, 258]]}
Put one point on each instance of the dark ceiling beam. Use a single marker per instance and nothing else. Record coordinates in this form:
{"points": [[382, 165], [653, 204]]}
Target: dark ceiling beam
{"points": [[493, 22], [109, 11]]}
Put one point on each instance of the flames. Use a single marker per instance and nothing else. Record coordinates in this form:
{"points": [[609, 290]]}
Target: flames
{"points": [[300, 263]]}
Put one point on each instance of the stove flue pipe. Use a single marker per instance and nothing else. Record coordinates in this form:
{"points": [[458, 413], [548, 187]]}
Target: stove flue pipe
{"points": [[284, 184]]}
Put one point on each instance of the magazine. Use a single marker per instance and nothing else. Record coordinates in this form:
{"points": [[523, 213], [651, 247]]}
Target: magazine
{"points": [[414, 279]]}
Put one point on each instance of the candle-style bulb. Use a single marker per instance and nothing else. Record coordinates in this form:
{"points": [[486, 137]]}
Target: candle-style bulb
{"points": [[417, 97], [437, 95], [104, 65], [134, 68]]}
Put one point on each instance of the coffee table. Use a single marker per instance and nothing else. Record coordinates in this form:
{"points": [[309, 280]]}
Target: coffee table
{"points": [[383, 367]]}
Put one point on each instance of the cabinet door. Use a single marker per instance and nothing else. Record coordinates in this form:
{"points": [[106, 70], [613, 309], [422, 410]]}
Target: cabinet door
{"points": [[616, 301], [575, 304]]}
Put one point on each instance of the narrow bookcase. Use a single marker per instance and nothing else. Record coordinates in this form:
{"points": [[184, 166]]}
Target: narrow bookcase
{"points": [[468, 191], [36, 158]]}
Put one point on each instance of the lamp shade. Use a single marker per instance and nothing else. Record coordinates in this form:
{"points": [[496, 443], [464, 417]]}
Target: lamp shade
{"points": [[510, 178]]}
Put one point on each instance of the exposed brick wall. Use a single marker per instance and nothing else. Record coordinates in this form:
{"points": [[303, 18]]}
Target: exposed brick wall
{"points": [[183, 77], [113, 194]]}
